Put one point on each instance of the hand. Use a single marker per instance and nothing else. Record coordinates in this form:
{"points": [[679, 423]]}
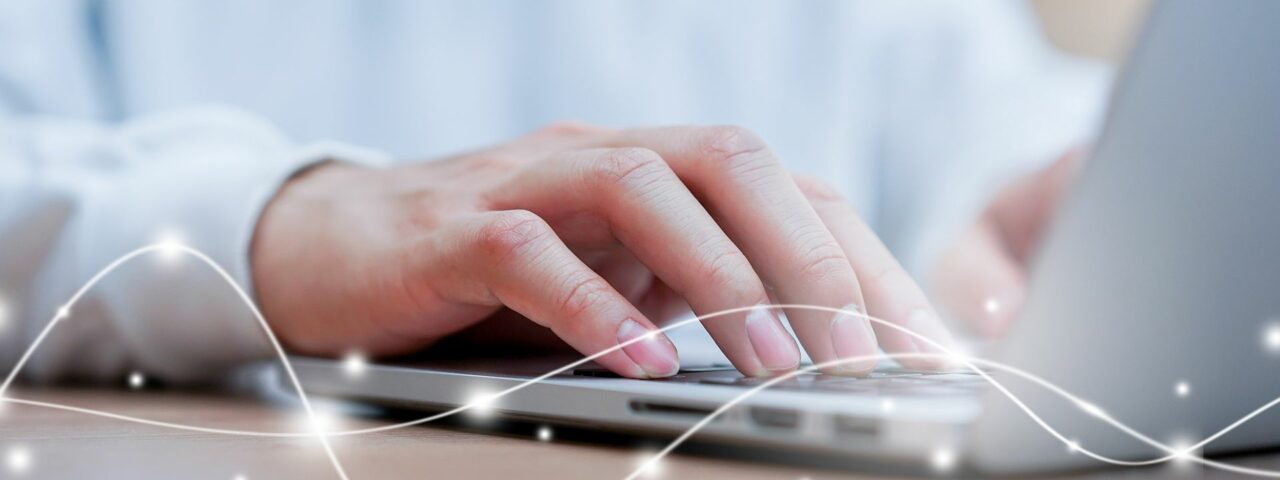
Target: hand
{"points": [[982, 278], [572, 227]]}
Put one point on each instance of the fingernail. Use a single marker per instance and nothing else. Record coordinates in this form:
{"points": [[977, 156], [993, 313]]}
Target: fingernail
{"points": [[774, 347], [851, 336], [653, 353], [926, 323]]}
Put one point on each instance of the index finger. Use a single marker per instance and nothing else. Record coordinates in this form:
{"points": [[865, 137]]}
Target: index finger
{"points": [[766, 215]]}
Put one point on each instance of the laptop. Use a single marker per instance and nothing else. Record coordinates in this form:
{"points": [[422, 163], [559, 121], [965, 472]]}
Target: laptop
{"points": [[1154, 307]]}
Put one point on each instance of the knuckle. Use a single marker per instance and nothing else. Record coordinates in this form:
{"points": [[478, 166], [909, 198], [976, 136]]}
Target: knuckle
{"points": [[821, 255], [730, 273], [512, 233], [826, 264], [629, 167], [734, 148], [583, 294]]}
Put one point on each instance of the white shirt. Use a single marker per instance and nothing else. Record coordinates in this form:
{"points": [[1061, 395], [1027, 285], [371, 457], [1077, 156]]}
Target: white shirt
{"points": [[120, 121]]}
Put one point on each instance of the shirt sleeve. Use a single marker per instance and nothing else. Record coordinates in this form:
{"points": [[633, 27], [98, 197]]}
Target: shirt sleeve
{"points": [[75, 196], [974, 96]]}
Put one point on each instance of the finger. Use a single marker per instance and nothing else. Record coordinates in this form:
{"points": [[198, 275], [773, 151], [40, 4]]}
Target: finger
{"points": [[650, 211], [514, 258], [892, 295], [1022, 210], [764, 213], [556, 137], [625, 272], [980, 282]]}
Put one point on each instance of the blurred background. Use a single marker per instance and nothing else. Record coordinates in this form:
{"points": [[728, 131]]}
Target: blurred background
{"points": [[1095, 28]]}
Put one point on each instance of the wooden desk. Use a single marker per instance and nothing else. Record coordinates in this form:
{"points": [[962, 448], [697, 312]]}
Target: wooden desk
{"points": [[74, 445]]}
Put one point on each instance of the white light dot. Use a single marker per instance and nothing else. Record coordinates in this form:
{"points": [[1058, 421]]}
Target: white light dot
{"points": [[64, 312], [1073, 446], [18, 459], [136, 380], [171, 243], [1271, 338], [320, 424], [942, 460], [481, 405], [355, 364], [1181, 451], [321, 420], [544, 434], [991, 305], [240, 476], [959, 355], [1182, 389], [649, 465], [887, 405], [1092, 409]]}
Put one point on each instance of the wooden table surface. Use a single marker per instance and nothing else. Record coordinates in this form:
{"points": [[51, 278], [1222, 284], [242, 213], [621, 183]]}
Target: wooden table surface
{"points": [[62, 444]]}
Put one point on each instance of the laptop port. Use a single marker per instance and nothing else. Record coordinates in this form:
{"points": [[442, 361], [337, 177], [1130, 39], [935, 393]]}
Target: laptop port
{"points": [[775, 417], [655, 408]]}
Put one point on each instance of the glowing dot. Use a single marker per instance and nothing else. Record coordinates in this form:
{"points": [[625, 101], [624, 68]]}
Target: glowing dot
{"points": [[544, 433], [321, 421], [886, 405], [942, 460], [650, 465], [355, 364], [1182, 389], [481, 404], [1271, 338], [136, 380], [18, 459], [64, 312], [991, 305], [1182, 452], [171, 243], [1073, 446], [959, 354], [1092, 409], [240, 476]]}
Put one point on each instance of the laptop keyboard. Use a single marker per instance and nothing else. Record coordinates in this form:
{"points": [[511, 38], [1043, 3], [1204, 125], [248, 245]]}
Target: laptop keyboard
{"points": [[883, 381]]}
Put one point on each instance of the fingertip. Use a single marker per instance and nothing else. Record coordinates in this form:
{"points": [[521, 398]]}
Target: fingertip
{"points": [[649, 349], [775, 349], [854, 343], [998, 312]]}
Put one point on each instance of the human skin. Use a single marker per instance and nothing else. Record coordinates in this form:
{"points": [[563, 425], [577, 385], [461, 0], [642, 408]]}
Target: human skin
{"points": [[981, 278], [595, 234]]}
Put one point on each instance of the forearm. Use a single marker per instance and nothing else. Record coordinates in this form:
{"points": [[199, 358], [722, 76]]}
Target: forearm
{"points": [[80, 196]]}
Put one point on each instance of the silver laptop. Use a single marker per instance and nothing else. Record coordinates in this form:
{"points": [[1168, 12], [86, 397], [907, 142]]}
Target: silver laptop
{"points": [[1156, 299]]}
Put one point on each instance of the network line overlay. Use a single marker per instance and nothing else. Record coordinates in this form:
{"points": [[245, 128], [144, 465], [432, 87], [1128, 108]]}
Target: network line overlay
{"points": [[1179, 453]]}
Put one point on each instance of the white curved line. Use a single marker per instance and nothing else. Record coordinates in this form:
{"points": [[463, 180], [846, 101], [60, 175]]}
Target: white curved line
{"points": [[154, 423], [244, 296], [990, 364], [323, 435]]}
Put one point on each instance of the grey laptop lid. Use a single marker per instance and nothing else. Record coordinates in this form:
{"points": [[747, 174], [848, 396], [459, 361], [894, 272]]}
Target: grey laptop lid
{"points": [[1164, 266]]}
